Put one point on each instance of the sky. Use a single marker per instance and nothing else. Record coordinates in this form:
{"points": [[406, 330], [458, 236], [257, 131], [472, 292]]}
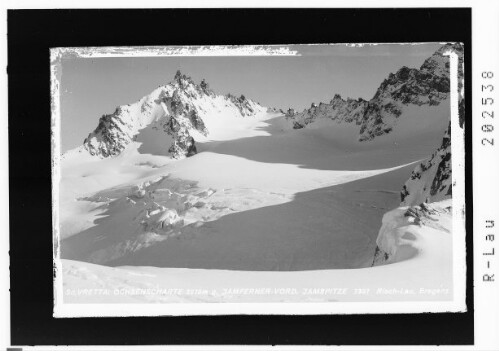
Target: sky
{"points": [[91, 87]]}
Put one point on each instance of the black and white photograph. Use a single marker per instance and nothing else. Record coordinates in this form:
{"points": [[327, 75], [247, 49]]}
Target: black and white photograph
{"points": [[250, 174], [260, 175]]}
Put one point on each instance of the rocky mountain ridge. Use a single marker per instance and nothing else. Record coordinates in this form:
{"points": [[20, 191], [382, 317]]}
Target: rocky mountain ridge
{"points": [[428, 85]]}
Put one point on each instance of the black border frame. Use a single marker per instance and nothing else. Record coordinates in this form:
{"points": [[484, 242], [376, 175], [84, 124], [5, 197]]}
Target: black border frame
{"points": [[30, 35]]}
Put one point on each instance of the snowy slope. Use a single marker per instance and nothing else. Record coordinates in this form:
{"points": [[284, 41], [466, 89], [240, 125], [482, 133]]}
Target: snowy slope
{"points": [[421, 270], [396, 241]]}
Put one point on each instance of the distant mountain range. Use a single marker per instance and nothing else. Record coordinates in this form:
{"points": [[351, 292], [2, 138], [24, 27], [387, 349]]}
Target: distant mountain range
{"points": [[179, 108]]}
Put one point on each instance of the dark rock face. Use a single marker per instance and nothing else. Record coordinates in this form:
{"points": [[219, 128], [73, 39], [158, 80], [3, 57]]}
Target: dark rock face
{"points": [[274, 110], [113, 137], [443, 176], [191, 147], [185, 146], [431, 180], [380, 257], [290, 112], [297, 125], [242, 104], [403, 193], [205, 88], [197, 122]]}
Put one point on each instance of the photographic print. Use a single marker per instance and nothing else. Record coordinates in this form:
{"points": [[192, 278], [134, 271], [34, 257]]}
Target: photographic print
{"points": [[297, 179]]}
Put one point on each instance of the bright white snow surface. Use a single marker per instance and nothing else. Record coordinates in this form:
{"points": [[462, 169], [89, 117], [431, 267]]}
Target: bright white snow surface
{"points": [[421, 270], [258, 196]]}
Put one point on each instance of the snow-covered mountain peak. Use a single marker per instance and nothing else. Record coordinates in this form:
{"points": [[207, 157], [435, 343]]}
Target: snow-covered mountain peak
{"points": [[177, 108]]}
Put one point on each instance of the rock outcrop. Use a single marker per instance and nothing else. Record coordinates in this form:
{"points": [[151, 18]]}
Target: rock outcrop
{"points": [[431, 180]]}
